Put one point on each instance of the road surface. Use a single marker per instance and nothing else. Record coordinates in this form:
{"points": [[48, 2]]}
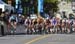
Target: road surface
{"points": [[38, 39]]}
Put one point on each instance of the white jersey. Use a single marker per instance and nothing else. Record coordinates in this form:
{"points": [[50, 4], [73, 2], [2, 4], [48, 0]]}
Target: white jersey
{"points": [[67, 21], [73, 22], [26, 22], [51, 21], [63, 20]]}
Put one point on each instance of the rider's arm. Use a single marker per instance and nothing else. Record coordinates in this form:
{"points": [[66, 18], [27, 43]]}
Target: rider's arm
{"points": [[25, 21], [9, 19]]}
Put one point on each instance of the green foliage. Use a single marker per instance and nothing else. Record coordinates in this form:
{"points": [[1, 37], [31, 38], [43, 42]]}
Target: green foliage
{"points": [[50, 5], [13, 2], [27, 4], [50, 1], [68, 0], [5, 1]]}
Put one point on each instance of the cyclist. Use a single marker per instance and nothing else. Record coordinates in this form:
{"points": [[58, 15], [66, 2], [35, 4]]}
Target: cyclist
{"points": [[54, 23], [13, 21], [27, 25]]}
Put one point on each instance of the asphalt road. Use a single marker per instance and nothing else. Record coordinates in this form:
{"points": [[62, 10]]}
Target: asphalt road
{"points": [[17, 39], [19, 29], [38, 39], [56, 39]]}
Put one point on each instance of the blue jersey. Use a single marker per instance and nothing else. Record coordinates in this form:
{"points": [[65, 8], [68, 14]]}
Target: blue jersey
{"points": [[54, 21], [13, 18]]}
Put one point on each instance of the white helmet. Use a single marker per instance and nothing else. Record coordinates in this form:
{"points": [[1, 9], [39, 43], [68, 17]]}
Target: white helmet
{"points": [[19, 14]]}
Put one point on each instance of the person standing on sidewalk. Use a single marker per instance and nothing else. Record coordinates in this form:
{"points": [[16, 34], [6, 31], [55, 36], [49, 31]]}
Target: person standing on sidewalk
{"points": [[2, 24]]}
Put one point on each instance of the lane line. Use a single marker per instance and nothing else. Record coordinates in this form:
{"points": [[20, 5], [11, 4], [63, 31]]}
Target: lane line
{"points": [[37, 39]]}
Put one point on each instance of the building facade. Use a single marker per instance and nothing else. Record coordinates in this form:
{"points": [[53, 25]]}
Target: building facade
{"points": [[66, 8], [73, 5]]}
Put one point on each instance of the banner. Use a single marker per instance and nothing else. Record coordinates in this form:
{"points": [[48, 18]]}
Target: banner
{"points": [[40, 6], [16, 5]]}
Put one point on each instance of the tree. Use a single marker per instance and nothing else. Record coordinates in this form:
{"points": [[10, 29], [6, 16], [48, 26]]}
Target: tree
{"points": [[13, 2], [68, 1], [5, 1], [50, 1], [29, 4], [50, 6]]}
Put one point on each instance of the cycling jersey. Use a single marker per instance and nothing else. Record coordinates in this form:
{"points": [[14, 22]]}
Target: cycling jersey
{"points": [[54, 22]]}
